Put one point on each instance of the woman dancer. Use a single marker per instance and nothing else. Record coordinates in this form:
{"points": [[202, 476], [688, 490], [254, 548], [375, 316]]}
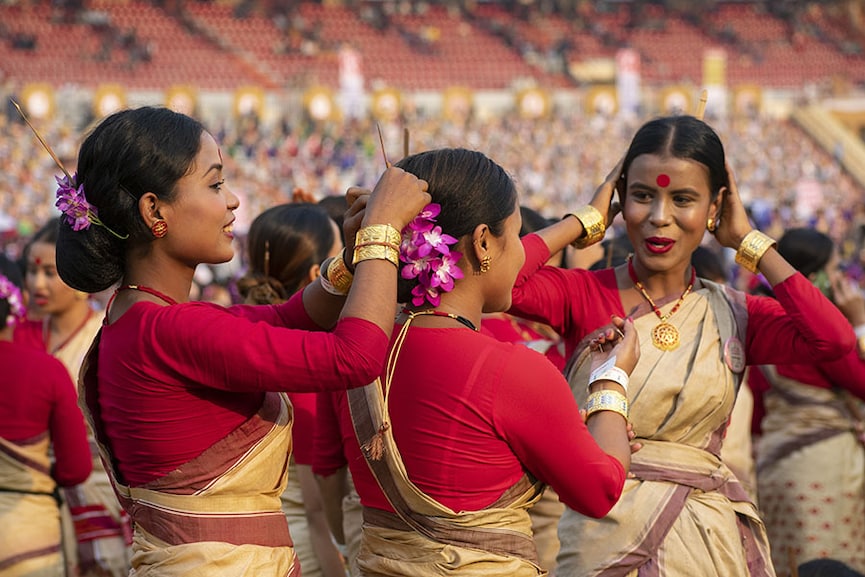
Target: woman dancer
{"points": [[684, 513]]}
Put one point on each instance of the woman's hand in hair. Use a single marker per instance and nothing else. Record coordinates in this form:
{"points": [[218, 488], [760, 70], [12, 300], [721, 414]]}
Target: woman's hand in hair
{"points": [[604, 199], [848, 297], [356, 198], [732, 218], [398, 197]]}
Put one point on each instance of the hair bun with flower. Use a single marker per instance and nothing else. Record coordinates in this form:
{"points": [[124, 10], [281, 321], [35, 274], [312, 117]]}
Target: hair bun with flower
{"points": [[426, 251], [12, 294], [77, 212]]}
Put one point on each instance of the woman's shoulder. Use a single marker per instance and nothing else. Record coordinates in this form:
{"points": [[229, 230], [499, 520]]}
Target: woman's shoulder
{"points": [[29, 333], [40, 362]]}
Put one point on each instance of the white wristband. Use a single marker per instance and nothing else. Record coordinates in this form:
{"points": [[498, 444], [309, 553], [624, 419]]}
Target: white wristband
{"points": [[613, 373], [859, 330]]}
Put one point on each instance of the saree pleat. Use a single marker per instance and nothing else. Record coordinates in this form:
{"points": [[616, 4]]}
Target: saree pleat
{"points": [[219, 513], [811, 474], [685, 513], [29, 515], [426, 538]]}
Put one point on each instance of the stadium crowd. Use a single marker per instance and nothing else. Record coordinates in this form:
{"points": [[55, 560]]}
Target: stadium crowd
{"points": [[785, 178]]}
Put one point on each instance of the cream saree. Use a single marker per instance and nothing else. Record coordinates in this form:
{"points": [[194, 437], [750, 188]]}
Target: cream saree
{"points": [[95, 528], [811, 474], [685, 513], [218, 514], [29, 516], [427, 539]]}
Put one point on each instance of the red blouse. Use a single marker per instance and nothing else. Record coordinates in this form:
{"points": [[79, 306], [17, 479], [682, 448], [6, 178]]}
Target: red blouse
{"points": [[511, 329], [801, 325], [175, 379], [470, 416], [39, 398], [303, 428]]}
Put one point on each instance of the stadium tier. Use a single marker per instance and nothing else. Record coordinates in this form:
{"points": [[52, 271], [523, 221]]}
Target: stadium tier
{"points": [[418, 46]]}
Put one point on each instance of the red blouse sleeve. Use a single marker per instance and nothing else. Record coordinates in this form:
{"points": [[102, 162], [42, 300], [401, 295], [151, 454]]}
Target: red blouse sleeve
{"points": [[303, 429], [328, 455], [72, 460], [536, 413], [543, 293], [847, 373], [291, 313], [800, 326], [221, 348]]}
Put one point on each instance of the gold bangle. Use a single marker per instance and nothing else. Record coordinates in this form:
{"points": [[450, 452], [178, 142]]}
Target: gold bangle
{"points": [[593, 226], [387, 244], [376, 251], [338, 275], [607, 400], [378, 233], [751, 250]]}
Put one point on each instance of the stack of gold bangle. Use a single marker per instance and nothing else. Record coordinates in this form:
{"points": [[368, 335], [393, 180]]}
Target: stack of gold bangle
{"points": [[607, 400], [377, 241], [753, 247], [593, 225], [338, 275]]}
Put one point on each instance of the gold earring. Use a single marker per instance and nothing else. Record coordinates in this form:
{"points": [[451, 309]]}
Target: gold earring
{"points": [[485, 264], [710, 225]]}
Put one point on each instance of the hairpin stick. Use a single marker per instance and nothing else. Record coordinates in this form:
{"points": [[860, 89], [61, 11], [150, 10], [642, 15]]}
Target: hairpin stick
{"points": [[405, 141], [701, 107], [381, 141], [42, 140]]}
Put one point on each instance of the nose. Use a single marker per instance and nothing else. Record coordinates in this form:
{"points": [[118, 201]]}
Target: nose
{"points": [[660, 213], [36, 280], [231, 199]]}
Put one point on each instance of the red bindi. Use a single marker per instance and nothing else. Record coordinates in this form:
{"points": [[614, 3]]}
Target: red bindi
{"points": [[663, 180], [38, 261]]}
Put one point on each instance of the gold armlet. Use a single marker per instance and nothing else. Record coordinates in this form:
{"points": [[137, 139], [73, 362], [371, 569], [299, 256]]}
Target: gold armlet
{"points": [[607, 400], [337, 275], [593, 225], [369, 251], [753, 247], [380, 233]]}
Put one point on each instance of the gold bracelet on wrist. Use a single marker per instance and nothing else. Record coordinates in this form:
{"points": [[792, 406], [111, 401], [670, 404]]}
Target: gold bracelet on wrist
{"points": [[387, 244], [593, 225], [378, 233], [338, 275], [376, 252], [607, 400], [751, 250]]}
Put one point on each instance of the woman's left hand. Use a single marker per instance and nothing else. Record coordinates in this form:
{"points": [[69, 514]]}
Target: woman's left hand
{"points": [[732, 218], [356, 198], [849, 298]]}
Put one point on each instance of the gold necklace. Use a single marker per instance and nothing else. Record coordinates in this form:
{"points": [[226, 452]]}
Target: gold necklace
{"points": [[665, 336]]}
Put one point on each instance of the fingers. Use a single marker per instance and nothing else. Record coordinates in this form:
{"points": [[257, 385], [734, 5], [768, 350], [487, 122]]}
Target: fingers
{"points": [[358, 204], [616, 173], [354, 192]]}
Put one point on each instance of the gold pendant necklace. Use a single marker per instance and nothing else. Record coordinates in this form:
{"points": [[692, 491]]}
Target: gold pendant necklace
{"points": [[664, 336]]}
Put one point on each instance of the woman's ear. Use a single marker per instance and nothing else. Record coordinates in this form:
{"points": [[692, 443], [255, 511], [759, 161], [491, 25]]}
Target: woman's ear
{"points": [[148, 208], [314, 273], [716, 208], [480, 246]]}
